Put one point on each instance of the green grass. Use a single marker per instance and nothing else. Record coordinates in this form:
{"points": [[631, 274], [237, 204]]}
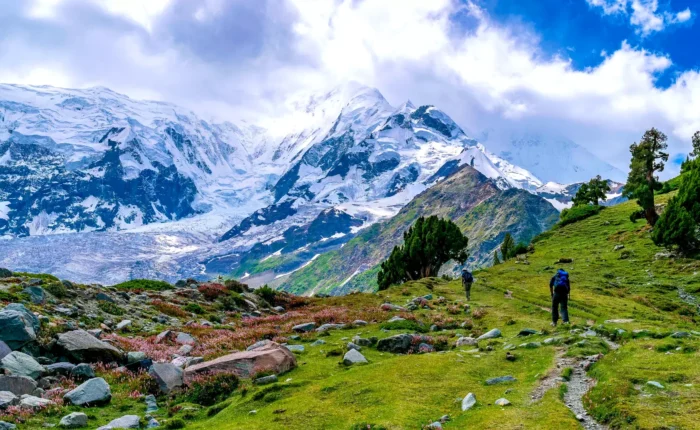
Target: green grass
{"points": [[144, 284]]}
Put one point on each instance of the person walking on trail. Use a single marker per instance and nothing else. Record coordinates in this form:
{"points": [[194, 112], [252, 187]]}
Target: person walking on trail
{"points": [[467, 281], [560, 291]]}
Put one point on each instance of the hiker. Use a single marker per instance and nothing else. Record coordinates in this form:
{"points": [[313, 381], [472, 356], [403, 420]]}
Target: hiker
{"points": [[467, 281], [560, 290]]}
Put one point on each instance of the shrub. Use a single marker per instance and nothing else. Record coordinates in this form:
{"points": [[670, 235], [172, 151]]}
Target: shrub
{"points": [[144, 284], [578, 213], [678, 225], [174, 424], [168, 309], [212, 291], [233, 285], [266, 293], [110, 308], [218, 408], [208, 390], [478, 314], [405, 325], [566, 373], [57, 289], [195, 308]]}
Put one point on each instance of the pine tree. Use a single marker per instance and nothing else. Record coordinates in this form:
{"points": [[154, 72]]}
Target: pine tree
{"points": [[679, 225], [428, 244], [648, 157], [696, 145], [496, 261], [508, 247], [598, 188], [582, 196]]}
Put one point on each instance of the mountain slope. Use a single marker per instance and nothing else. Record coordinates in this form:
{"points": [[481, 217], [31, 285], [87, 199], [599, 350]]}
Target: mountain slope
{"points": [[467, 197]]}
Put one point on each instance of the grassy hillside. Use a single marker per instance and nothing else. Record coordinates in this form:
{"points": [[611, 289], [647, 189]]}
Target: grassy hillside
{"points": [[634, 307], [467, 197]]}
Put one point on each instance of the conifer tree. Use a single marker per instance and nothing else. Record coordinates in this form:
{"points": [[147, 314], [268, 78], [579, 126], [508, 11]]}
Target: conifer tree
{"points": [[508, 247], [648, 157], [496, 261], [428, 244], [598, 188]]}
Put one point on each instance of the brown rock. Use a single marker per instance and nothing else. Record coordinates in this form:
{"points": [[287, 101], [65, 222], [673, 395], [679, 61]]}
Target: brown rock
{"points": [[272, 357]]}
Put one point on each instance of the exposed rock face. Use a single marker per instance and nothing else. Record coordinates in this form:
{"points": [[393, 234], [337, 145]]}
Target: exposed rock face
{"points": [[272, 357], [84, 347], [94, 391]]}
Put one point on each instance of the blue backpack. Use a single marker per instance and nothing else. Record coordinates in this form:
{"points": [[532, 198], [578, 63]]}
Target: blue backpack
{"points": [[561, 280], [467, 276]]}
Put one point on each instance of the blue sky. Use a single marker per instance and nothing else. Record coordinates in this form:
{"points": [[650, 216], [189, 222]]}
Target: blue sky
{"points": [[580, 31], [596, 72]]}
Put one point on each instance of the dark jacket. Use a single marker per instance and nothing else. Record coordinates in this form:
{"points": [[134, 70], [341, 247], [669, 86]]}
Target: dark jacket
{"points": [[568, 284]]}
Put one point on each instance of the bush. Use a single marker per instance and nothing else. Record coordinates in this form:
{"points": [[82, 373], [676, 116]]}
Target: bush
{"points": [[266, 293], [231, 301], [144, 284], [233, 285], [208, 390], [110, 308], [57, 289], [566, 373], [195, 308], [175, 424], [212, 291], [578, 213], [678, 225], [168, 309], [405, 325]]}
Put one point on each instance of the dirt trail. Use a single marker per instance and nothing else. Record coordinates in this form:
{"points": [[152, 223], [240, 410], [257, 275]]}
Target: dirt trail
{"points": [[578, 386]]}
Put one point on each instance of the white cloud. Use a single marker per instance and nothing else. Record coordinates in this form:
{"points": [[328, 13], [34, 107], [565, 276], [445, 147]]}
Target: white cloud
{"points": [[644, 15]]}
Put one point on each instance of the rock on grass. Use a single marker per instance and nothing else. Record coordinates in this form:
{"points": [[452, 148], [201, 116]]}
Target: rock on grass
{"points": [[94, 391]]}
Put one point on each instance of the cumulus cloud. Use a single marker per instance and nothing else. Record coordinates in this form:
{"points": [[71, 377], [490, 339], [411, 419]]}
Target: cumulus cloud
{"points": [[241, 59], [644, 15]]}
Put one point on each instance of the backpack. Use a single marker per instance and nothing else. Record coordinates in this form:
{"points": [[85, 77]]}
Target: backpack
{"points": [[561, 280], [467, 276]]}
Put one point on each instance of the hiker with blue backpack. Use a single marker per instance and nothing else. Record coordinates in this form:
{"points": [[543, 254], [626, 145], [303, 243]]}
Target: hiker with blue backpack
{"points": [[560, 290], [467, 281]]}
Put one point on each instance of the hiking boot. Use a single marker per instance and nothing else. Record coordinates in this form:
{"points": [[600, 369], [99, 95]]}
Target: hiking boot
{"points": [[567, 323], [553, 324]]}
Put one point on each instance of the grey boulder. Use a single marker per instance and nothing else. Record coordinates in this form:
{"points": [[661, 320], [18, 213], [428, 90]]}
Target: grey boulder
{"points": [[167, 375], [33, 402], [468, 402], [74, 420], [302, 328], [7, 426], [17, 385], [500, 380], [7, 399], [354, 356], [491, 334], [398, 344], [125, 422], [82, 372], [94, 391], [18, 326], [20, 364], [84, 347]]}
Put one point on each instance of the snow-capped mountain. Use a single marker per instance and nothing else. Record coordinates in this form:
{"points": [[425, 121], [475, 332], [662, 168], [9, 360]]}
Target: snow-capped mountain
{"points": [[550, 158], [83, 160], [167, 194]]}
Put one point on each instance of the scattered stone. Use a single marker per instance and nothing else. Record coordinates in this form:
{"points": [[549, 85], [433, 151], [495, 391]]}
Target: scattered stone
{"points": [[266, 380], [151, 403], [511, 357], [185, 339], [18, 326], [327, 327], [351, 345], [527, 332], [398, 344], [391, 307], [7, 399], [551, 341], [680, 335], [492, 334], [273, 358], [63, 368], [123, 324], [395, 319], [17, 385], [94, 391], [619, 321], [164, 335], [135, 356], [258, 344], [151, 422], [74, 420], [664, 255], [361, 341], [359, 323], [125, 422], [618, 247], [564, 260], [318, 342], [36, 294], [589, 333], [500, 380], [435, 425], [34, 403], [655, 384], [20, 364], [530, 345], [580, 417], [295, 348], [84, 347], [4, 350], [468, 402], [168, 376], [82, 372], [305, 327], [7, 426], [502, 402], [466, 341], [353, 357]]}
